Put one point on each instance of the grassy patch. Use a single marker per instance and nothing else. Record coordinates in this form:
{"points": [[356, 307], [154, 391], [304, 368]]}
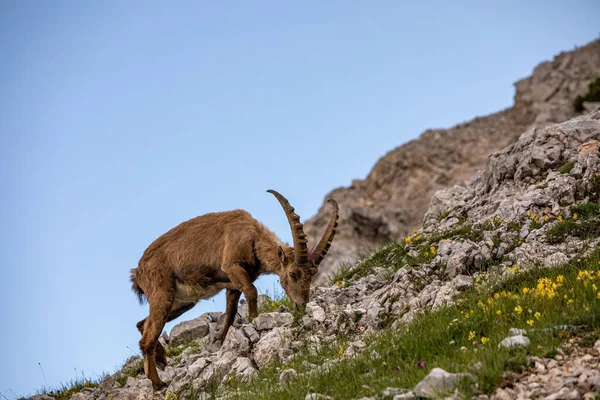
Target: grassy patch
{"points": [[443, 215], [417, 249], [66, 390], [277, 300], [566, 167], [390, 256], [584, 223], [587, 210], [454, 338], [132, 368]]}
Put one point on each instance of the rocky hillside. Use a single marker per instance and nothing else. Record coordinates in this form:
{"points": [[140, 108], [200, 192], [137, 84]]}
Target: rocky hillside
{"points": [[393, 199], [441, 299]]}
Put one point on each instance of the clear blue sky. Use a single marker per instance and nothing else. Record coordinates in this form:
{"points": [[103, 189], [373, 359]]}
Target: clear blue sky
{"points": [[121, 119]]}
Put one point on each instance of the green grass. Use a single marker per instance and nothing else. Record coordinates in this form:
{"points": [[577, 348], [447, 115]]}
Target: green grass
{"points": [[436, 338], [66, 390], [587, 210], [391, 256], [566, 167], [443, 215], [278, 299], [584, 223], [132, 368], [593, 94], [396, 255]]}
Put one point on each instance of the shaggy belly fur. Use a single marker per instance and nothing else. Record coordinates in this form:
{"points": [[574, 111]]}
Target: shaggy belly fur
{"points": [[186, 294]]}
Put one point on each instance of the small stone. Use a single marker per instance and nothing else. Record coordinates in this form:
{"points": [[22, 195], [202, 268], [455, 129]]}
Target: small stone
{"points": [[391, 391], [405, 396], [272, 320], [287, 375], [317, 396], [517, 332], [594, 383], [514, 342], [438, 382], [315, 311], [501, 394]]}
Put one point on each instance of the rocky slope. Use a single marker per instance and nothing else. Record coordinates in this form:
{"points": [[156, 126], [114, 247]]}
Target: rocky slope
{"points": [[518, 210], [393, 198]]}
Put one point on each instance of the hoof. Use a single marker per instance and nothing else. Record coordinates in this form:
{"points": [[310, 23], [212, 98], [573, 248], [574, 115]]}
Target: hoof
{"points": [[160, 385], [161, 365]]}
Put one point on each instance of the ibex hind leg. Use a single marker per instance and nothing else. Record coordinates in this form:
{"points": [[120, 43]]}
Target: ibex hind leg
{"points": [[161, 355], [160, 306]]}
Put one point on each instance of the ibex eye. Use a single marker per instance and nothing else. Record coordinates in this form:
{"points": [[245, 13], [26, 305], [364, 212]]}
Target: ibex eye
{"points": [[293, 275]]}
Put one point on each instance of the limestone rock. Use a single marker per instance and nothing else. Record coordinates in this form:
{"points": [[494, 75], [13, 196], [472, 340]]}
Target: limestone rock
{"points": [[437, 383], [514, 342], [272, 320], [268, 347], [189, 330]]}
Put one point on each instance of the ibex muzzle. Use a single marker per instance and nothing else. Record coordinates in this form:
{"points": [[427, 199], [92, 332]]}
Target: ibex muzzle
{"points": [[226, 250]]}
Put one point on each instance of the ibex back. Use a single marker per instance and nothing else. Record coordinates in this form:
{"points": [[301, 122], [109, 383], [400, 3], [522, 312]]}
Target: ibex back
{"points": [[226, 250]]}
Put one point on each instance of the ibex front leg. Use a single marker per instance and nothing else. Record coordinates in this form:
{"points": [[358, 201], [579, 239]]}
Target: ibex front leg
{"points": [[241, 281], [233, 296]]}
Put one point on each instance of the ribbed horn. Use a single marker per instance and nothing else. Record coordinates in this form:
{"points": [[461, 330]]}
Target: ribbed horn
{"points": [[300, 242], [320, 251]]}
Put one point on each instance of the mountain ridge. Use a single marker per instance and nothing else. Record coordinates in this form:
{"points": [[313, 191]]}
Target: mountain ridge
{"points": [[393, 198]]}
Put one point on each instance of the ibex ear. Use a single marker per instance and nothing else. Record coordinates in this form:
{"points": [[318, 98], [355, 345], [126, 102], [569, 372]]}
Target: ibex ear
{"points": [[281, 255]]}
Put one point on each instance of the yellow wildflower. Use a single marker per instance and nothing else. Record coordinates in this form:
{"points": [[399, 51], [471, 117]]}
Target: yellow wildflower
{"points": [[587, 309], [525, 290], [575, 216], [408, 239], [598, 295], [498, 312], [537, 315], [433, 250], [571, 301], [560, 279], [341, 350], [518, 310], [530, 322], [546, 218], [484, 340], [472, 335], [478, 280]]}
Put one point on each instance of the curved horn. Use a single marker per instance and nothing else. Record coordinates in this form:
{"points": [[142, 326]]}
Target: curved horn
{"points": [[300, 242], [320, 251]]}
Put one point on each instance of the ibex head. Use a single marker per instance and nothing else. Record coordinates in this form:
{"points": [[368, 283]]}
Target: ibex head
{"points": [[298, 265]]}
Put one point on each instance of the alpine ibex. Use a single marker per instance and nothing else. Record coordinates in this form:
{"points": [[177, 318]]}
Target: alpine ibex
{"points": [[216, 251]]}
